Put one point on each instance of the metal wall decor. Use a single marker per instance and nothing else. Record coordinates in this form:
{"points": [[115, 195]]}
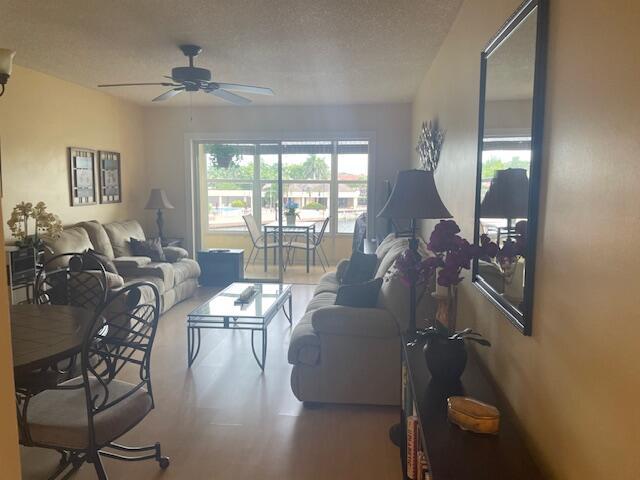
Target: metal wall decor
{"points": [[110, 179], [82, 176], [430, 144]]}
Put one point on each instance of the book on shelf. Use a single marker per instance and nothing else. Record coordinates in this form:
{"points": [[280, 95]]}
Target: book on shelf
{"points": [[412, 447]]}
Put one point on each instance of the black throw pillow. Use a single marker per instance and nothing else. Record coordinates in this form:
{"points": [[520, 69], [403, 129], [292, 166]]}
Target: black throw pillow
{"points": [[362, 267], [148, 248], [362, 295], [91, 259]]}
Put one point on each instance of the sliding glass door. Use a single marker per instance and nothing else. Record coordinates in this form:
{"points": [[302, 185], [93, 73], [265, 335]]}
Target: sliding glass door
{"points": [[250, 187]]}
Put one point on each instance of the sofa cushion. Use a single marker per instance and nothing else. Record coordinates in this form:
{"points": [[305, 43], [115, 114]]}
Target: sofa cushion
{"points": [[184, 270], [174, 254], [92, 260], [361, 268], [360, 295], [321, 300], [161, 270], [357, 322], [123, 264], [71, 240], [151, 248], [98, 236], [141, 278], [304, 346], [120, 233], [328, 283]]}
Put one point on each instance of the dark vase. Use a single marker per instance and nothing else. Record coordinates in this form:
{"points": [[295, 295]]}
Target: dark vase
{"points": [[446, 358]]}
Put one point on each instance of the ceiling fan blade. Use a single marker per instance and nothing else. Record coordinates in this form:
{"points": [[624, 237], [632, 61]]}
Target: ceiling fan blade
{"points": [[229, 97], [168, 95], [163, 84], [236, 87]]}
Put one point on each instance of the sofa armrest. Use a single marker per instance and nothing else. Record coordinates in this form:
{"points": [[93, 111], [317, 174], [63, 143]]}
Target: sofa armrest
{"points": [[358, 322]]}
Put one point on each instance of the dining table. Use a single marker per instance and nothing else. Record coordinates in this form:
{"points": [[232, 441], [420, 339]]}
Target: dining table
{"points": [[308, 229], [43, 335]]}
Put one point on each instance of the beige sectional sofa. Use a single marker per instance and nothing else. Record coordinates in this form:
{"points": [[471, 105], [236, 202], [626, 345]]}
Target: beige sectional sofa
{"points": [[175, 281], [352, 355]]}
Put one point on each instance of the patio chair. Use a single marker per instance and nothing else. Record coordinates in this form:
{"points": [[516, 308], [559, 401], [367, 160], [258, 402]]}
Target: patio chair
{"points": [[314, 245], [257, 239], [83, 418]]}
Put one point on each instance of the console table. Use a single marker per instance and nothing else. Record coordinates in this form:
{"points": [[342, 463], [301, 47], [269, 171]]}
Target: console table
{"points": [[452, 453]]}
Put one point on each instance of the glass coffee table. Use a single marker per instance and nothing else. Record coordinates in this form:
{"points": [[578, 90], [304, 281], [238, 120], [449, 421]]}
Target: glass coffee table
{"points": [[221, 312]]}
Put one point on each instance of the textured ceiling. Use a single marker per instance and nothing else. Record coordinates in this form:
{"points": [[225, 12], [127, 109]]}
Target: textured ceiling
{"points": [[307, 51], [511, 67]]}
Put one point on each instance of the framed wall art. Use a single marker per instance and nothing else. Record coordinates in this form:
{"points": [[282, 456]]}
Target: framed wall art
{"points": [[82, 176], [110, 180]]}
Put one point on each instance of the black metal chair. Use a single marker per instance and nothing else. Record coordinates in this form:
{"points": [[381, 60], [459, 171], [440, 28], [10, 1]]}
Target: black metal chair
{"points": [[75, 279], [83, 417], [314, 245]]}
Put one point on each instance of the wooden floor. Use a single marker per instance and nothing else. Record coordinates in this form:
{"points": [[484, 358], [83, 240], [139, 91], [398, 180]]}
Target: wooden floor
{"points": [[224, 419], [296, 273]]}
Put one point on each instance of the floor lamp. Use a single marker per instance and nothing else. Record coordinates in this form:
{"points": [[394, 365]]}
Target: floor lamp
{"points": [[414, 197]]}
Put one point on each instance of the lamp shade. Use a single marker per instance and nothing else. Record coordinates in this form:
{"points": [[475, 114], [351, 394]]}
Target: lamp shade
{"points": [[414, 195], [6, 61], [158, 200], [508, 195]]}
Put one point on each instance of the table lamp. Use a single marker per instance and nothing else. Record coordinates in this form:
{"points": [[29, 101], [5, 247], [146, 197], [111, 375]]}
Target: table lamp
{"points": [[414, 196], [507, 197], [159, 201]]}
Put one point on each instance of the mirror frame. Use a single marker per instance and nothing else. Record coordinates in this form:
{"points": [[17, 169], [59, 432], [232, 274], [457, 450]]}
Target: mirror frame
{"points": [[520, 319]]}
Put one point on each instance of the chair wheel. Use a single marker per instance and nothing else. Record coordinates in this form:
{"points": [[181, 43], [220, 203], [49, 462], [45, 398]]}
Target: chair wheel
{"points": [[164, 462]]}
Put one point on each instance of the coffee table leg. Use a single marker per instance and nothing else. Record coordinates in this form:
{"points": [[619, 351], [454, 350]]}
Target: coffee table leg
{"points": [[193, 343], [189, 345], [263, 357], [284, 310]]}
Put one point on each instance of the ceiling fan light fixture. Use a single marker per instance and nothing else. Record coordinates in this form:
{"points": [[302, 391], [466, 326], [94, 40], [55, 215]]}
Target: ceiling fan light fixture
{"points": [[6, 64]]}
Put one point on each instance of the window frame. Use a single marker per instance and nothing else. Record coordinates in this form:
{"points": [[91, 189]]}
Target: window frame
{"points": [[257, 182]]}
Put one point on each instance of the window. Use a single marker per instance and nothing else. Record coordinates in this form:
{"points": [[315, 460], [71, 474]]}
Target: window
{"points": [[353, 168], [325, 178]]}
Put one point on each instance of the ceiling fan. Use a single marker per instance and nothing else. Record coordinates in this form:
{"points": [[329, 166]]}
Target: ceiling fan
{"points": [[194, 79]]}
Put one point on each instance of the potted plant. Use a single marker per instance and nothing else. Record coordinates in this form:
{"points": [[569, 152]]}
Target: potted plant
{"points": [[45, 222], [445, 348], [291, 208], [223, 154]]}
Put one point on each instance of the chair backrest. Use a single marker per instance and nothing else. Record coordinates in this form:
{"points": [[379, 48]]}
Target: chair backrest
{"points": [[82, 283], [253, 228], [322, 230], [121, 336]]}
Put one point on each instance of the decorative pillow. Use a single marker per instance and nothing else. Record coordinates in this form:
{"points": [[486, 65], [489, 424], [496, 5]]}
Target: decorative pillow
{"points": [[361, 268], [175, 254], [362, 295], [148, 248], [91, 259]]}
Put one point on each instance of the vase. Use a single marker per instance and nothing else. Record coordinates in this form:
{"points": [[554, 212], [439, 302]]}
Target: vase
{"points": [[291, 218], [446, 358]]}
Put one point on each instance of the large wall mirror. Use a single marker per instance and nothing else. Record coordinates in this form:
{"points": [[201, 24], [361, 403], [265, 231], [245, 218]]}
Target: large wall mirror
{"points": [[509, 157]]}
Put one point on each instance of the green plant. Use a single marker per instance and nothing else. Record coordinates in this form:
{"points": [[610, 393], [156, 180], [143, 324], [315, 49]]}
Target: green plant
{"points": [[45, 222], [238, 203], [224, 154], [314, 206]]}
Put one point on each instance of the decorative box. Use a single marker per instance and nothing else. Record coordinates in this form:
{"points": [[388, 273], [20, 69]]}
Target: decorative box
{"points": [[473, 415]]}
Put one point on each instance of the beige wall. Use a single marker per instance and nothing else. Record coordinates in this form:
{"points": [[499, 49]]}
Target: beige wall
{"points": [[40, 116], [9, 454], [575, 383], [166, 129]]}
